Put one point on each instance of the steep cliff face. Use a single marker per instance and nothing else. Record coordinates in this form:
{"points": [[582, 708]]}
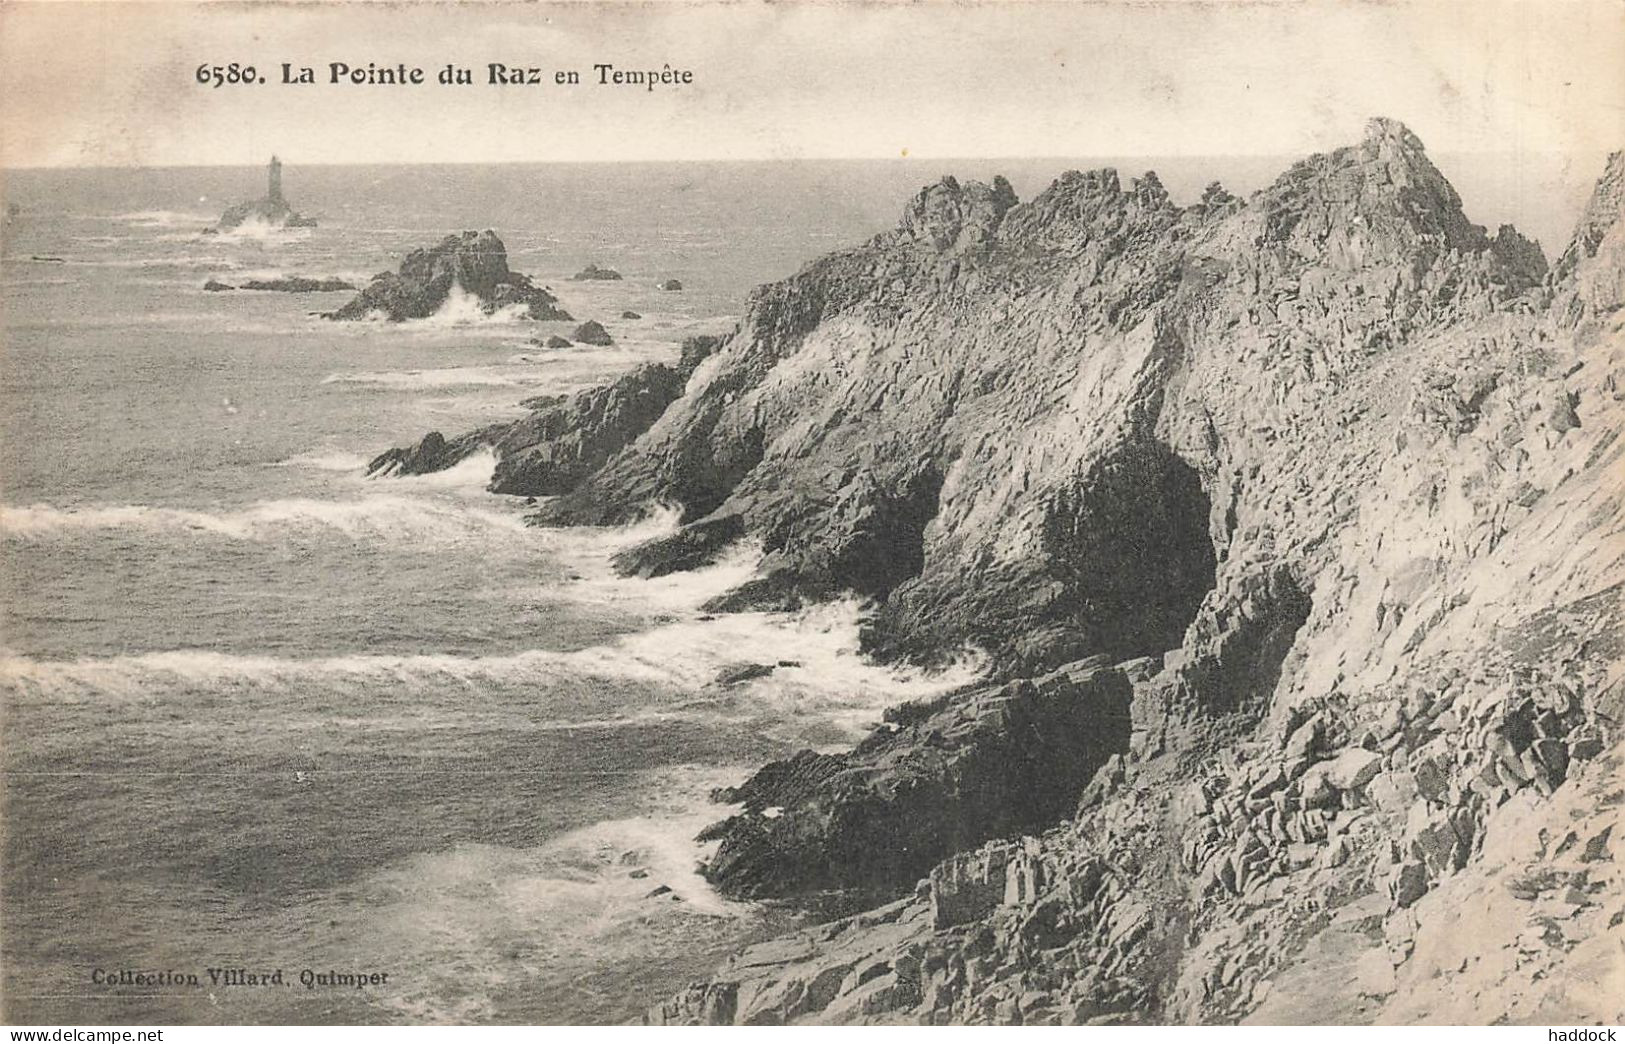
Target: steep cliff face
{"points": [[473, 263], [1068, 387], [1342, 465]]}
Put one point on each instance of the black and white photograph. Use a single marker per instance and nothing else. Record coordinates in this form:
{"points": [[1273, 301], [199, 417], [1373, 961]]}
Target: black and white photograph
{"points": [[916, 514]]}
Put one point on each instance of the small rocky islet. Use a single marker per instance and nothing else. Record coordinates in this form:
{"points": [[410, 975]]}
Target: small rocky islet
{"points": [[270, 211], [1229, 495], [473, 263]]}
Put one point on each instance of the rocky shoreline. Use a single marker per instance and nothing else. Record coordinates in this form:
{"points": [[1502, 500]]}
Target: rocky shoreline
{"points": [[1290, 529]]}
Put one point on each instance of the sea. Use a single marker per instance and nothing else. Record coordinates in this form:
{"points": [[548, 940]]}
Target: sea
{"points": [[263, 712]]}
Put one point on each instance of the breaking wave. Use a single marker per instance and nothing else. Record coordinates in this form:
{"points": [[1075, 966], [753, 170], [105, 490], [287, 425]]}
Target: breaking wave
{"points": [[450, 377], [479, 921], [377, 517], [818, 690], [164, 218], [323, 461], [462, 308]]}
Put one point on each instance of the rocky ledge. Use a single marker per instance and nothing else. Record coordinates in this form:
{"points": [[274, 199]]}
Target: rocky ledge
{"points": [[271, 213], [936, 779], [286, 285], [1373, 760], [474, 263], [561, 440]]}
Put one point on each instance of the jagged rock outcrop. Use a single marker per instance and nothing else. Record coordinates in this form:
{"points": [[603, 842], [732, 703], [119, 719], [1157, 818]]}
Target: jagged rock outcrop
{"points": [[473, 263], [1376, 693], [434, 452], [934, 780], [593, 273], [563, 439]]}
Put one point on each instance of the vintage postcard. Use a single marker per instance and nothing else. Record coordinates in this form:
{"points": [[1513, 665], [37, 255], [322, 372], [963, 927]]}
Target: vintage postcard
{"points": [[1005, 513]]}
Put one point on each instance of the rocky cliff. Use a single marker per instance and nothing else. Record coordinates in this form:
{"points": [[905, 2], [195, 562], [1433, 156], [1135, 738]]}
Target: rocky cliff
{"points": [[1373, 771], [1291, 527], [473, 263]]}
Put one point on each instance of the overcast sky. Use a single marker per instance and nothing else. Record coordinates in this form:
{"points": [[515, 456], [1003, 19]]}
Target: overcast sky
{"points": [[113, 84]]}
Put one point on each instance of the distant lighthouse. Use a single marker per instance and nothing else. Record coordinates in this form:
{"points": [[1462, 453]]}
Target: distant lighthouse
{"points": [[275, 193]]}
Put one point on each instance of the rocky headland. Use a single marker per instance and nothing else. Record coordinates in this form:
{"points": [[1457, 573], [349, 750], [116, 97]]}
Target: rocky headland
{"points": [[474, 263], [1291, 530]]}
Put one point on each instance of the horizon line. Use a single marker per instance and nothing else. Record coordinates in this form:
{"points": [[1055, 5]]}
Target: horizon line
{"points": [[1057, 157]]}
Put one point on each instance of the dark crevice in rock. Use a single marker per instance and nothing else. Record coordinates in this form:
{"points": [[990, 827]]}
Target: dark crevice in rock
{"points": [[872, 540], [1132, 549], [1127, 559], [706, 471], [1243, 659]]}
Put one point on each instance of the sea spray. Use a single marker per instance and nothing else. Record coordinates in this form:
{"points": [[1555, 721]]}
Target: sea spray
{"points": [[409, 520]]}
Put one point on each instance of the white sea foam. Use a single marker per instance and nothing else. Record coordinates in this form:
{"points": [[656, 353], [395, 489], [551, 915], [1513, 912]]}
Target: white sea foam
{"points": [[384, 516], [163, 218], [479, 920], [462, 308], [822, 691], [257, 230]]}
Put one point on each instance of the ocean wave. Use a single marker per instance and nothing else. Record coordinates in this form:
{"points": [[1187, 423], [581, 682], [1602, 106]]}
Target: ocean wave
{"points": [[820, 691], [259, 231], [324, 460], [449, 377], [388, 517], [163, 218], [190, 262], [479, 920]]}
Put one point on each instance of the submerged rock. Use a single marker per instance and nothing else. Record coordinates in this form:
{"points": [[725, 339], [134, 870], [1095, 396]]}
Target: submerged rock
{"points": [[298, 285], [473, 263], [671, 284]]}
